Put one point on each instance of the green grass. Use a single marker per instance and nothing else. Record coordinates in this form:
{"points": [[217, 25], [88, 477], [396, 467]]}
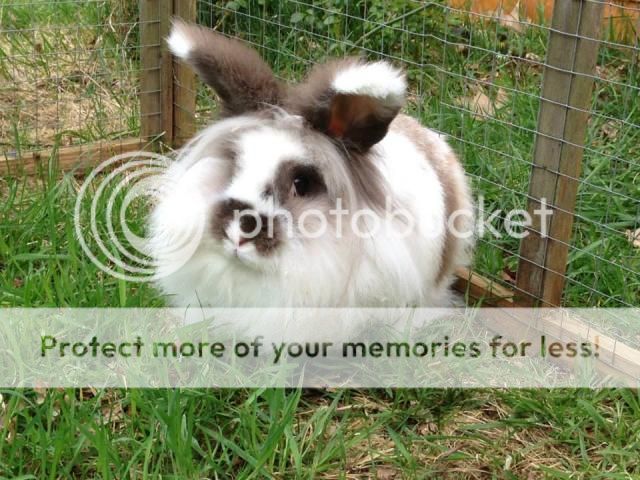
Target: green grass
{"points": [[313, 434], [336, 433]]}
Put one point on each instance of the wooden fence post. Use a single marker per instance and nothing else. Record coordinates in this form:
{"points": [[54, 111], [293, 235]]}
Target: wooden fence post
{"points": [[151, 75], [562, 121], [167, 88], [184, 84]]}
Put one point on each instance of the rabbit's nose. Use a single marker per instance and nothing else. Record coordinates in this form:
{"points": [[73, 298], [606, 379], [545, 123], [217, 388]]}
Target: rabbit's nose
{"points": [[252, 228], [239, 233], [238, 222], [249, 227]]}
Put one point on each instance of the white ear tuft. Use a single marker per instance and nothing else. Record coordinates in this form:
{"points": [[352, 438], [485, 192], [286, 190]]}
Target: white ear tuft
{"points": [[179, 42], [380, 80]]}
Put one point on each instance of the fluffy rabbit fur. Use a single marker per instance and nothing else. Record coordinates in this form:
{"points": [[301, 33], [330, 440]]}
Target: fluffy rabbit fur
{"points": [[279, 148]]}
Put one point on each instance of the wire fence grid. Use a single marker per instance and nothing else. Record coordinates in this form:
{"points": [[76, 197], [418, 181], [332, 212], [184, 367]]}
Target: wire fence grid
{"points": [[475, 75], [72, 72], [68, 73]]}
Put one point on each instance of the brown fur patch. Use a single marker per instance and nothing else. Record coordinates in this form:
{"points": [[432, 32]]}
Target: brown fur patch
{"points": [[454, 193], [243, 81], [312, 98], [357, 121], [367, 180], [265, 241]]}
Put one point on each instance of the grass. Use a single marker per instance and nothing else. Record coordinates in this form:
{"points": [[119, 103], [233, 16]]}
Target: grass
{"points": [[260, 433], [312, 434]]}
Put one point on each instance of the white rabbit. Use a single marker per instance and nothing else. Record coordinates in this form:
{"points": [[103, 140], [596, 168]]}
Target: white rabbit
{"points": [[318, 194]]}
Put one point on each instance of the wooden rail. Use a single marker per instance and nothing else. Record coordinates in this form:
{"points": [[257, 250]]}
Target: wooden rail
{"points": [[615, 358], [65, 159]]}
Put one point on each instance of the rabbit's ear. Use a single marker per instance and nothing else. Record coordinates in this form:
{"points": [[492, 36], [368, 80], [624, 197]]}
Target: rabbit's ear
{"points": [[351, 100], [242, 80]]}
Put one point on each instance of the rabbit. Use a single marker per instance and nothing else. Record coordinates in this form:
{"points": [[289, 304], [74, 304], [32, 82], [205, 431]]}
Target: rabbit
{"points": [[349, 202]]}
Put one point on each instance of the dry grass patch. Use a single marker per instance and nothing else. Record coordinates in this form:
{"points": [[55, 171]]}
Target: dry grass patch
{"points": [[64, 86]]}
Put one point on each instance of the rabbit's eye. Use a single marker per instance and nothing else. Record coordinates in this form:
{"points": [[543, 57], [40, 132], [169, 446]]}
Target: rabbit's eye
{"points": [[305, 181], [302, 185]]}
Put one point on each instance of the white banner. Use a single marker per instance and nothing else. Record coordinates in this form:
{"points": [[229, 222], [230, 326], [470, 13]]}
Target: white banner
{"points": [[409, 348]]}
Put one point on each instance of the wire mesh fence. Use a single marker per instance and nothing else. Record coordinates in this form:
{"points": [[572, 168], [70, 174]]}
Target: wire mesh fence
{"points": [[76, 72], [68, 73], [475, 73]]}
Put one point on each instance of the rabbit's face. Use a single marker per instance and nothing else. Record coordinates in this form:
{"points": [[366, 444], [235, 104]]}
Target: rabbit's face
{"points": [[274, 184], [274, 178], [285, 163]]}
